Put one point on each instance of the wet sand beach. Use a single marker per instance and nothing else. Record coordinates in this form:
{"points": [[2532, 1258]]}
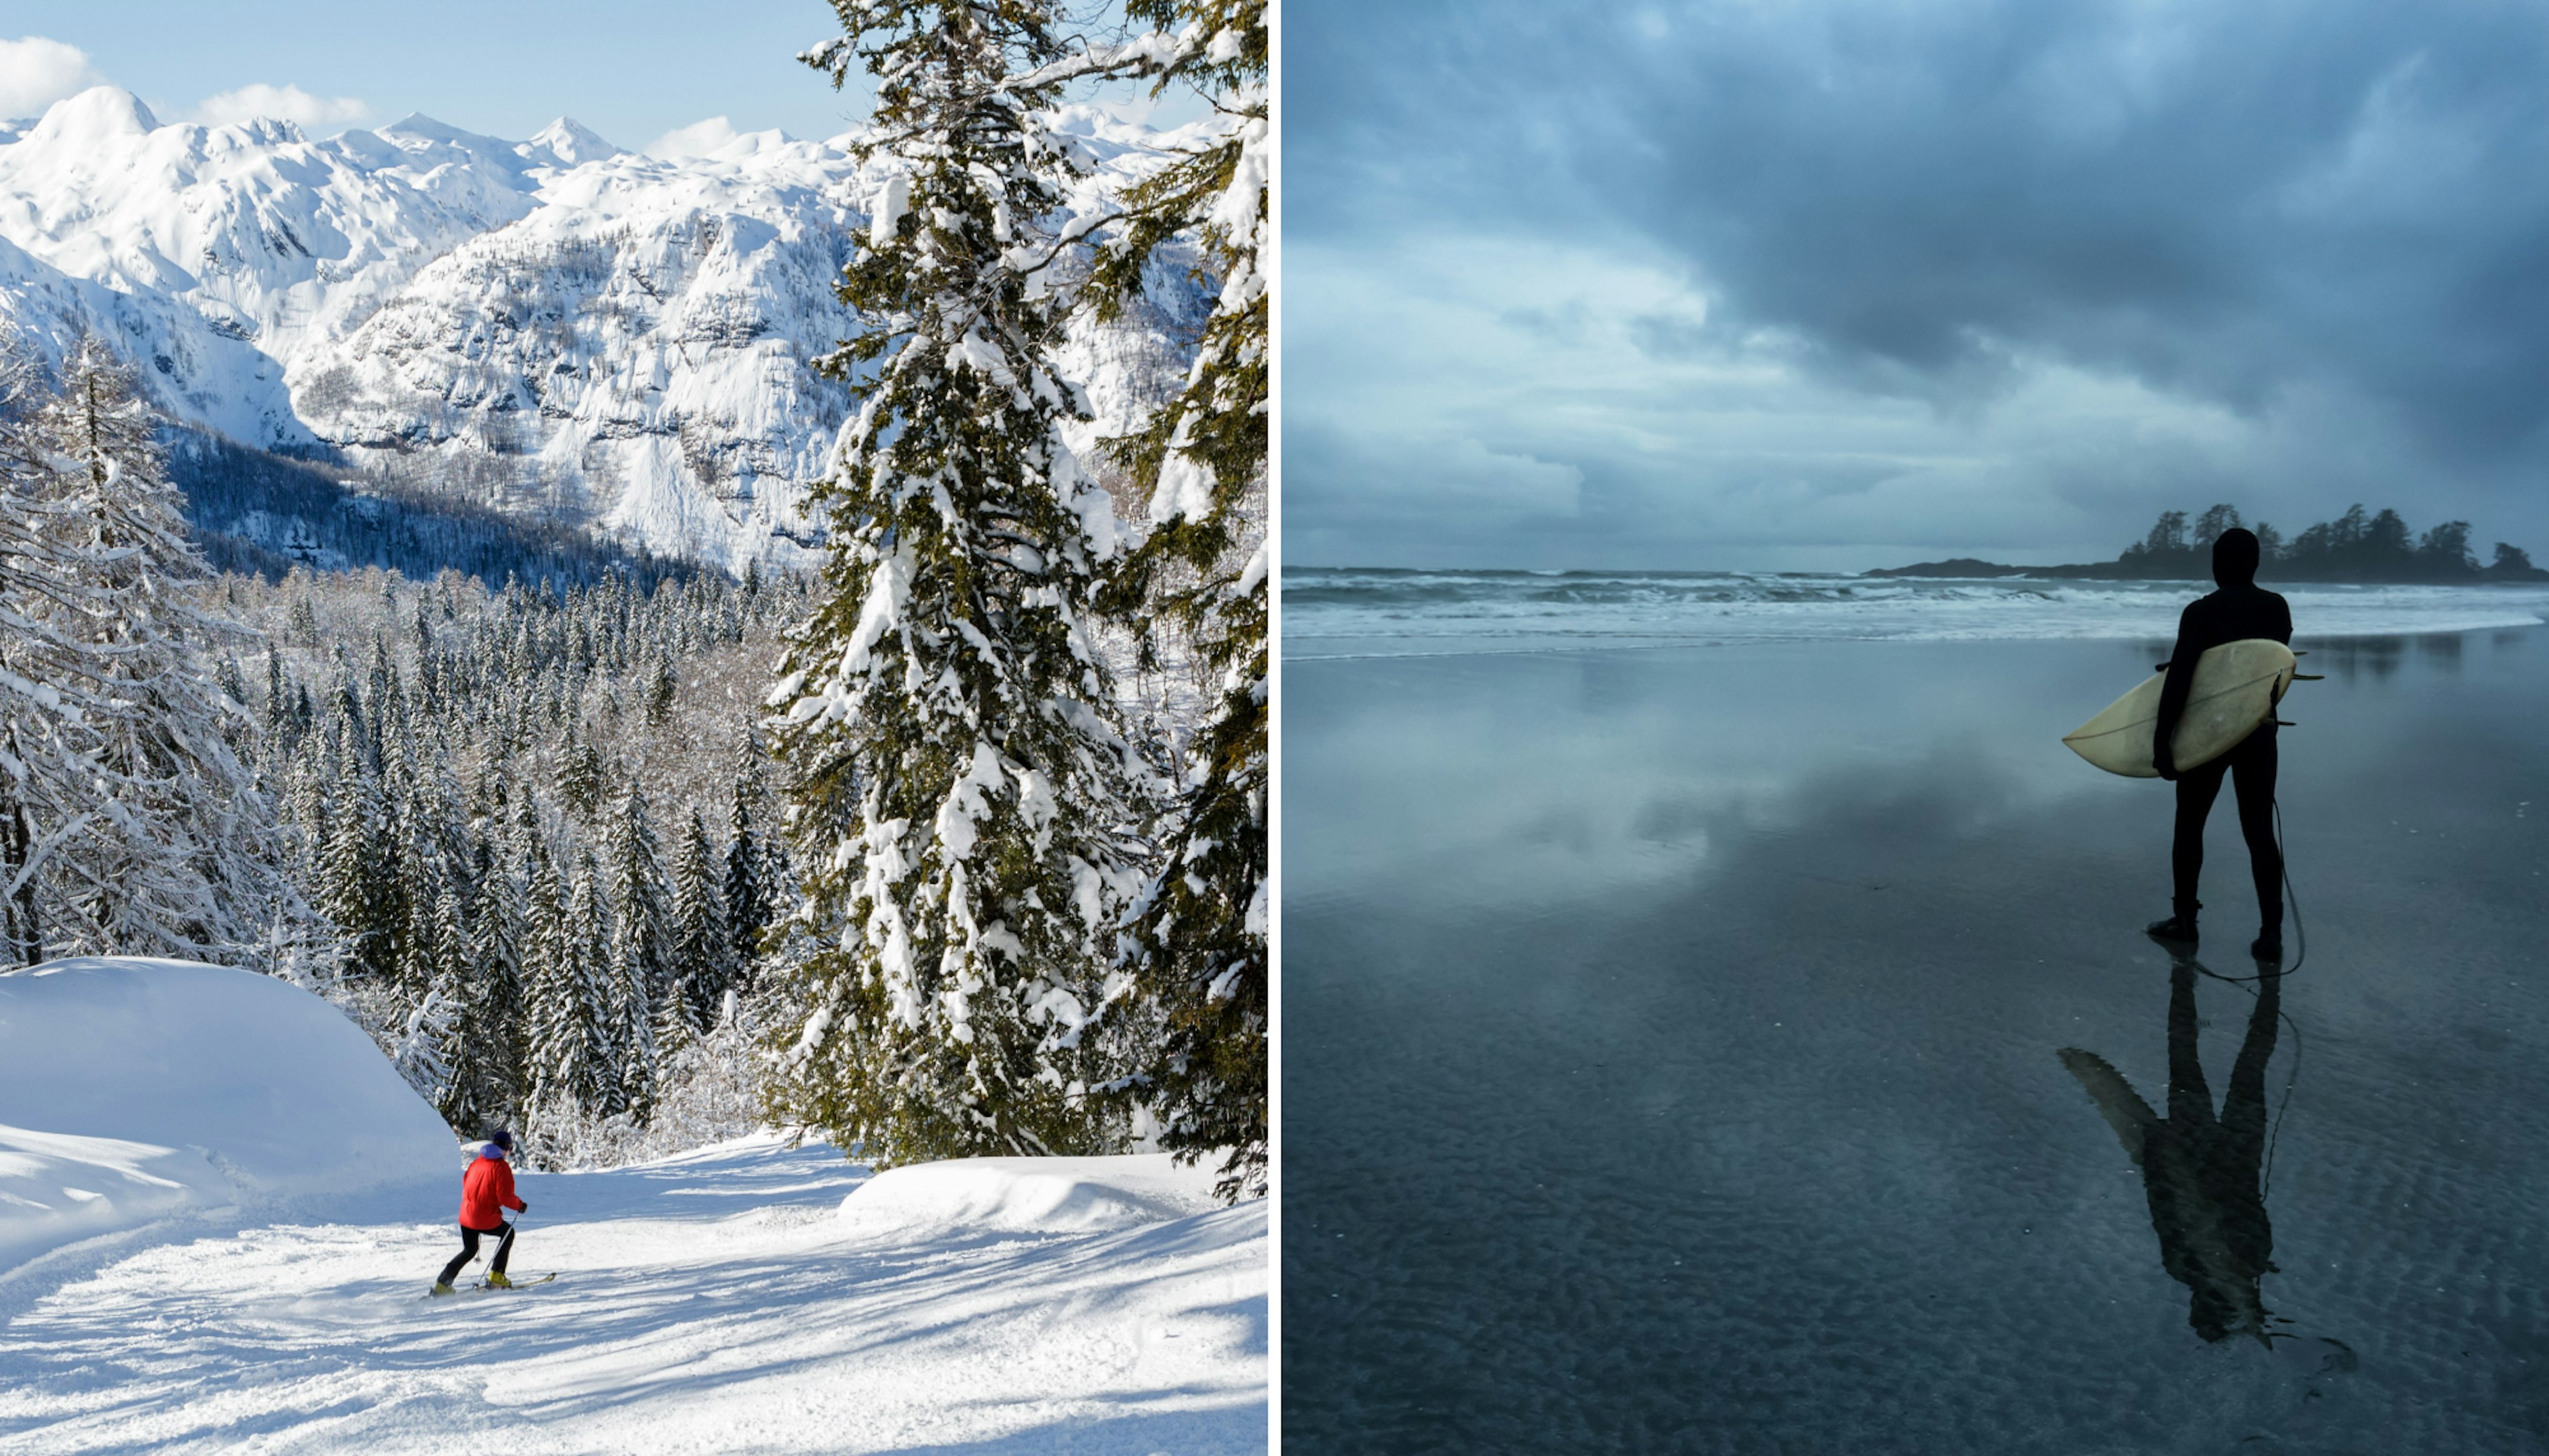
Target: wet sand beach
{"points": [[1747, 1049]]}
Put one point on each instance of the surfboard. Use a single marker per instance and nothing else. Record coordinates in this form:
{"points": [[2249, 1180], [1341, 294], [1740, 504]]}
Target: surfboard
{"points": [[2236, 686]]}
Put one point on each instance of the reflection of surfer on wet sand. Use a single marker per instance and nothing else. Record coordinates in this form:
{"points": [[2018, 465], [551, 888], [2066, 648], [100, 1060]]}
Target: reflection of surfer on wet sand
{"points": [[2201, 1172]]}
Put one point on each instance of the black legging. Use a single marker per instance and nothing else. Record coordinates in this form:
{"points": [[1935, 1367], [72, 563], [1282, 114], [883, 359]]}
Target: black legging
{"points": [[2252, 765], [469, 1250]]}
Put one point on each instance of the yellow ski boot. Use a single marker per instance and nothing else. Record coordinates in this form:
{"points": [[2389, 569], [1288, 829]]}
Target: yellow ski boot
{"points": [[499, 1281]]}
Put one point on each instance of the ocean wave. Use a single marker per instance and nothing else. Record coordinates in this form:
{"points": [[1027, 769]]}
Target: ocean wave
{"points": [[1351, 612]]}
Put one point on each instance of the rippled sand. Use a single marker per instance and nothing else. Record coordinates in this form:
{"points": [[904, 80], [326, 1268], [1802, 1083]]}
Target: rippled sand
{"points": [[1676, 1060]]}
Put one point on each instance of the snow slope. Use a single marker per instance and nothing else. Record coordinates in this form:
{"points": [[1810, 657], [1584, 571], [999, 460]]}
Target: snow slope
{"points": [[726, 1300], [135, 1090], [550, 327]]}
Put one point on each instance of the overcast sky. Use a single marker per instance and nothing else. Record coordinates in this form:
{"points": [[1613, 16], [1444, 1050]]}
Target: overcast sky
{"points": [[1821, 284], [633, 71]]}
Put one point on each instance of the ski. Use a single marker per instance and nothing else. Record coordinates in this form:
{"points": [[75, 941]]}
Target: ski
{"points": [[517, 1284], [481, 1286]]}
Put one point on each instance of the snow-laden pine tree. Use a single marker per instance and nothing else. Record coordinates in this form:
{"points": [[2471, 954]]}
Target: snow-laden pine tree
{"points": [[305, 802], [280, 724], [598, 1010], [464, 1043], [641, 947], [354, 859], [960, 800], [750, 897], [552, 1005], [1199, 934], [583, 777], [495, 942], [157, 840], [702, 946]]}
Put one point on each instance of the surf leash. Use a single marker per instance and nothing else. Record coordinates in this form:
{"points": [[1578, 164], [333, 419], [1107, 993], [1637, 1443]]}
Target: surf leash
{"points": [[2249, 983]]}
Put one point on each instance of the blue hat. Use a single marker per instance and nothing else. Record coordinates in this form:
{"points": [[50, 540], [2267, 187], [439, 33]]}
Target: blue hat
{"points": [[502, 1138]]}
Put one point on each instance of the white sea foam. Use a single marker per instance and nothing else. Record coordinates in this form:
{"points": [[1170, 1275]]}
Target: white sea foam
{"points": [[1356, 612]]}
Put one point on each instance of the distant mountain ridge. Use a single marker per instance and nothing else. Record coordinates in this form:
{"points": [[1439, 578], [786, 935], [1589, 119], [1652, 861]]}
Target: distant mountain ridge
{"points": [[555, 330], [2190, 567]]}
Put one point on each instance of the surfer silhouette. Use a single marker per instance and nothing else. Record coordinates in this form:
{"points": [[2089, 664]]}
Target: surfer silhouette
{"points": [[2238, 611], [2202, 1172]]}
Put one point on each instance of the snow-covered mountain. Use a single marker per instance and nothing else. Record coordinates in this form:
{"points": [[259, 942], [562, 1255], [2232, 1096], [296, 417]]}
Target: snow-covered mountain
{"points": [[556, 326]]}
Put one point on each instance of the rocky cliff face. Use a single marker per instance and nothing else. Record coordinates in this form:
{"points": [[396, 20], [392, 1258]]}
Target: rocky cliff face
{"points": [[554, 328]]}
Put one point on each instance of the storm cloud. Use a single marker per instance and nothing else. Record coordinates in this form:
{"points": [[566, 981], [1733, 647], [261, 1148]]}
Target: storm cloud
{"points": [[1812, 283]]}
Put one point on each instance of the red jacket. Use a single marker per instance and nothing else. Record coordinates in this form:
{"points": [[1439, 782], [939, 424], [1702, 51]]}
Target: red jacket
{"points": [[487, 1185]]}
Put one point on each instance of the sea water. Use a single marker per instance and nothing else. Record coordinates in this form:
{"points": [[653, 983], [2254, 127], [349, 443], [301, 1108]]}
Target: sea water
{"points": [[1334, 612], [1684, 1046]]}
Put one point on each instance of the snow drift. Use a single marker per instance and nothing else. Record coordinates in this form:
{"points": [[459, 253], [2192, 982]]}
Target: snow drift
{"points": [[1028, 1195], [131, 1090]]}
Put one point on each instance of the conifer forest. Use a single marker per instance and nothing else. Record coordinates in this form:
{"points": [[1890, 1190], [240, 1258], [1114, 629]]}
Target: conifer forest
{"points": [[953, 847]]}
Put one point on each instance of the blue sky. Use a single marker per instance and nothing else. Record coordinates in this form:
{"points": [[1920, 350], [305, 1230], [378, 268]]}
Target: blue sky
{"points": [[1846, 283], [631, 69]]}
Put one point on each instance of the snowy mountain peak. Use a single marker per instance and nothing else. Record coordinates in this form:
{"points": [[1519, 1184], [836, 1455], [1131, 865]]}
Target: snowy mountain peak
{"points": [[96, 114], [422, 128], [565, 143], [433, 143], [558, 326]]}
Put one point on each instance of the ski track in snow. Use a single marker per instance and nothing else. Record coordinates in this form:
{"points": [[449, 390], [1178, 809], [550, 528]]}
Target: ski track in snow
{"points": [[710, 1301]]}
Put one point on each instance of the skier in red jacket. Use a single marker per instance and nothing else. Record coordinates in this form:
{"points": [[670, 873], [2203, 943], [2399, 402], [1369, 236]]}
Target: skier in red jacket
{"points": [[485, 1191]]}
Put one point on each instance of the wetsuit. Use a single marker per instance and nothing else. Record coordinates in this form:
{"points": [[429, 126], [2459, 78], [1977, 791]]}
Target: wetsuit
{"points": [[2236, 613]]}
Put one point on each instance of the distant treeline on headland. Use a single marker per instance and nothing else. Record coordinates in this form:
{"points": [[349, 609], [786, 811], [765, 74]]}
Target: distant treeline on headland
{"points": [[2354, 547]]}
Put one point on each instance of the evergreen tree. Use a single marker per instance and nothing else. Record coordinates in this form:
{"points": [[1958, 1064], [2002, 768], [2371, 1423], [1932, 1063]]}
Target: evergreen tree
{"points": [[749, 891], [2445, 549], [635, 1072], [236, 718], [2167, 535], [463, 1044], [353, 864], [642, 945], [305, 802], [1198, 941], [279, 724], [552, 983], [960, 794], [495, 939], [598, 1009], [2215, 520], [702, 943], [659, 693], [419, 949], [2386, 540], [676, 1029], [581, 782]]}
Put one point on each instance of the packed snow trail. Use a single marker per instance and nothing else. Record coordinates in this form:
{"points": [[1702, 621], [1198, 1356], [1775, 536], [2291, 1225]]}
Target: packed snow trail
{"points": [[723, 1300]]}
